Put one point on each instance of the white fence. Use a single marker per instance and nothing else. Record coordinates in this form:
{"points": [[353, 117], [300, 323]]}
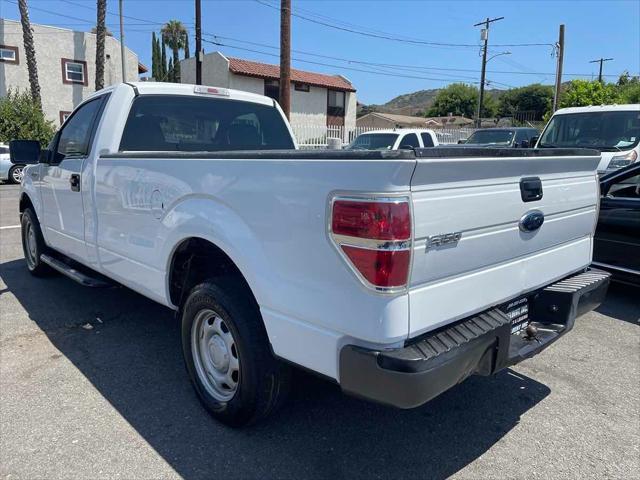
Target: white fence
{"points": [[315, 136]]}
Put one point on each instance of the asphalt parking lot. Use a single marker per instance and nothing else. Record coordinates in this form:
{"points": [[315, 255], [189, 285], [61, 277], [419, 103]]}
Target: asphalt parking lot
{"points": [[92, 385]]}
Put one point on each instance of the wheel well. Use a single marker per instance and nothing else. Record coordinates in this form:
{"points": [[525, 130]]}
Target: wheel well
{"points": [[25, 202], [196, 260]]}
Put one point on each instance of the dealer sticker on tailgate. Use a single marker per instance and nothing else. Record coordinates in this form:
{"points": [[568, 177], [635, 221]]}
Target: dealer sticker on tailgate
{"points": [[518, 312]]}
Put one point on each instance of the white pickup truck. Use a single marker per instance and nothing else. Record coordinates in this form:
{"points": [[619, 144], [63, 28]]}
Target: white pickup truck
{"points": [[396, 274]]}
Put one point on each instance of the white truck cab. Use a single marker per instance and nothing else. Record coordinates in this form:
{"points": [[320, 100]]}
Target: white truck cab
{"points": [[396, 139], [397, 274], [613, 130]]}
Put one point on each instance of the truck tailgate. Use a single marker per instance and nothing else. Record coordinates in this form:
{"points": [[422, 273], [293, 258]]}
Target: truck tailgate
{"points": [[471, 251]]}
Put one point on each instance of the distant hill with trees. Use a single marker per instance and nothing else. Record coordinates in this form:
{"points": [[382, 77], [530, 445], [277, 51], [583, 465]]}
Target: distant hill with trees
{"points": [[535, 100]]}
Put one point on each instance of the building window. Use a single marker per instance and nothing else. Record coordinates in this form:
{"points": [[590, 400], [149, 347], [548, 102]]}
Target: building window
{"points": [[9, 54], [272, 89], [302, 87], [335, 103], [74, 71], [63, 116]]}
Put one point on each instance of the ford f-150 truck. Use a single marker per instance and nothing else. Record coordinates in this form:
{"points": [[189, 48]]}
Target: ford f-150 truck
{"points": [[396, 274]]}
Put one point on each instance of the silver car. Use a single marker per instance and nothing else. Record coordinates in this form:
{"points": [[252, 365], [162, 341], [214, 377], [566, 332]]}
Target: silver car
{"points": [[9, 172]]}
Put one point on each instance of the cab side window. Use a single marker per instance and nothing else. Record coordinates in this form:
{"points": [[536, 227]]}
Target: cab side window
{"points": [[75, 137], [427, 141], [410, 140]]}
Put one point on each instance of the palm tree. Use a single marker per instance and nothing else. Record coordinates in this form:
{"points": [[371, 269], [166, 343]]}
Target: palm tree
{"points": [[173, 36], [101, 31], [30, 52]]}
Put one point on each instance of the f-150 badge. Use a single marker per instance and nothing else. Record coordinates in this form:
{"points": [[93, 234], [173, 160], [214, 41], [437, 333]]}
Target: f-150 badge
{"points": [[443, 240]]}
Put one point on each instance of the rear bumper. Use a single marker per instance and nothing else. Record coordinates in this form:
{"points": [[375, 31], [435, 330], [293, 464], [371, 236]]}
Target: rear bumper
{"points": [[483, 344]]}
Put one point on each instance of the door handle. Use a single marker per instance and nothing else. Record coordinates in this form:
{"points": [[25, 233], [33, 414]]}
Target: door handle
{"points": [[74, 180], [530, 189]]}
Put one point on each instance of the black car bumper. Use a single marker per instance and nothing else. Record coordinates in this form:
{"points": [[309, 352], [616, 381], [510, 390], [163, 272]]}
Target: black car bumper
{"points": [[483, 344]]}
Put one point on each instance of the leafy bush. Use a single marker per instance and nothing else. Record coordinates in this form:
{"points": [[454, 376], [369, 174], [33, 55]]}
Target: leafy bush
{"points": [[536, 98], [457, 99], [22, 119], [582, 93]]}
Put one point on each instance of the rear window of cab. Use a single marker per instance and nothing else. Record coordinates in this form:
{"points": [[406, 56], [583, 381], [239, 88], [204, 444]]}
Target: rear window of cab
{"points": [[199, 124]]}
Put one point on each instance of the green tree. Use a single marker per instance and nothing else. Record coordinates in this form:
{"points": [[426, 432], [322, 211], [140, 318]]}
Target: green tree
{"points": [[187, 54], [457, 99], [171, 72], [536, 98], [155, 60], [163, 63], [630, 93], [173, 36], [21, 118], [581, 93]]}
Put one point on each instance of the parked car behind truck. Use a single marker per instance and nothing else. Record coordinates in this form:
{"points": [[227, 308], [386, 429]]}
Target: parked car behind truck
{"points": [[396, 139], [613, 130], [396, 274], [9, 172]]}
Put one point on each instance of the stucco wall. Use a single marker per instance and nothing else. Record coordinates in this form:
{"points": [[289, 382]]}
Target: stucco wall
{"points": [[246, 84], [350, 105], [53, 44], [309, 108]]}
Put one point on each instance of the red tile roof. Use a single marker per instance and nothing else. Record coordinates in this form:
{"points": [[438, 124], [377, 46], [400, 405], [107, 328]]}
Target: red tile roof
{"points": [[266, 70]]}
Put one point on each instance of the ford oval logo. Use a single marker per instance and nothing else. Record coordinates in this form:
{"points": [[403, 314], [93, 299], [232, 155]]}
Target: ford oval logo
{"points": [[531, 221]]}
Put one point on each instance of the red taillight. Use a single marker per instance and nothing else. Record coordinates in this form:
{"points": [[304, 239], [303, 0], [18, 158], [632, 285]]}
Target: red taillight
{"points": [[382, 268], [375, 237], [374, 220]]}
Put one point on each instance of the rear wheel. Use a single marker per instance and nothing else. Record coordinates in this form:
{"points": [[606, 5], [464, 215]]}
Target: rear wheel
{"points": [[33, 244], [227, 353], [16, 173]]}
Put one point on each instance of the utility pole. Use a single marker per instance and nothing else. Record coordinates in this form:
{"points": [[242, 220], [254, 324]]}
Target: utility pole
{"points": [[285, 56], [198, 43], [556, 96], [601, 61], [484, 35], [122, 57]]}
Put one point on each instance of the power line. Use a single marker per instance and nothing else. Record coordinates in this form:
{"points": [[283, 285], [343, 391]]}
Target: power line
{"points": [[388, 74], [601, 61], [394, 37]]}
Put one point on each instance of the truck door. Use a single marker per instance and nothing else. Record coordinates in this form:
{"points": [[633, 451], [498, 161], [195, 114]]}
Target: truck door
{"points": [[63, 214]]}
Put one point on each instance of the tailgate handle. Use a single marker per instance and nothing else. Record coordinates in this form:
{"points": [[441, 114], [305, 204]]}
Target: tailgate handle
{"points": [[530, 189]]}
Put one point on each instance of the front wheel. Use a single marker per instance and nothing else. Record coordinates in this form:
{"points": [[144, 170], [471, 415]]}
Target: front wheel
{"points": [[227, 353], [16, 173]]}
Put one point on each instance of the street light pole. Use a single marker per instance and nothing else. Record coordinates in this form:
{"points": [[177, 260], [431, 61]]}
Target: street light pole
{"points": [[484, 35]]}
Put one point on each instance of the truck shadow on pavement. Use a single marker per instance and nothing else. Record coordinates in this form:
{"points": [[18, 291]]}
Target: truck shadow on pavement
{"points": [[132, 356], [617, 304]]}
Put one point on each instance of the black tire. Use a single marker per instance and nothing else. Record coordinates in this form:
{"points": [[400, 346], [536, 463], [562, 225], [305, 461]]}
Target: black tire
{"points": [[33, 247], [263, 380], [12, 172]]}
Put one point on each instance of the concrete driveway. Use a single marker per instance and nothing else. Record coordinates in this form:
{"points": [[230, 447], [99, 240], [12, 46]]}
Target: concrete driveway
{"points": [[92, 385]]}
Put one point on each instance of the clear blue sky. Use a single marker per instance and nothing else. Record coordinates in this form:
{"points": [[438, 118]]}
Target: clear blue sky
{"points": [[594, 29]]}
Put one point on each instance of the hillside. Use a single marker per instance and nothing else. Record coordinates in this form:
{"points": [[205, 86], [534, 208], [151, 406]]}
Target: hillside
{"points": [[415, 103]]}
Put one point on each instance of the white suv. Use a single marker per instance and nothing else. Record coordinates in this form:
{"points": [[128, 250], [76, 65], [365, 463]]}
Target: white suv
{"points": [[614, 130], [397, 139]]}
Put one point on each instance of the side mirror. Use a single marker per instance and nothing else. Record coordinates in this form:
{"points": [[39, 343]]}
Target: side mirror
{"points": [[524, 144], [25, 152], [533, 141], [461, 141], [406, 147]]}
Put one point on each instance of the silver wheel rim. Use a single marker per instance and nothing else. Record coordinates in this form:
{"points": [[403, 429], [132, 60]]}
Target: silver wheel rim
{"points": [[17, 174], [215, 355], [31, 247]]}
